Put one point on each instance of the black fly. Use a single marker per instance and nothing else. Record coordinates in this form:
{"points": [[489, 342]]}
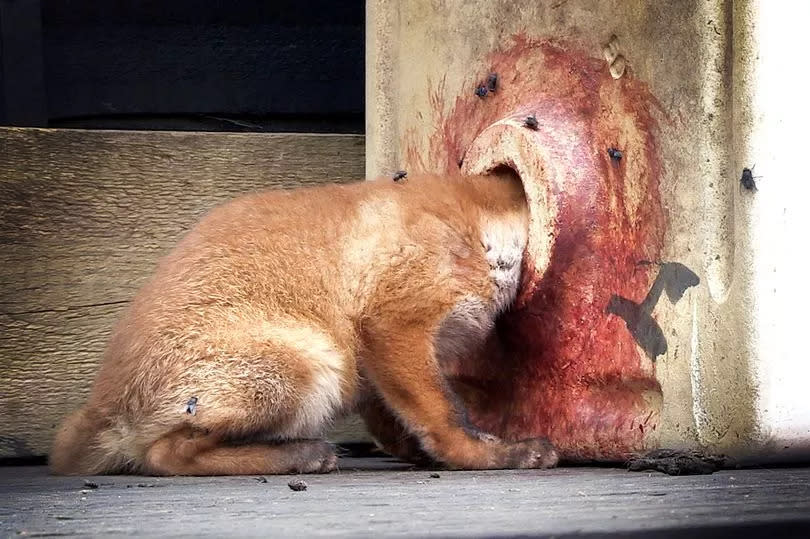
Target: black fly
{"points": [[492, 82], [748, 180], [615, 154], [530, 122], [400, 175], [191, 406]]}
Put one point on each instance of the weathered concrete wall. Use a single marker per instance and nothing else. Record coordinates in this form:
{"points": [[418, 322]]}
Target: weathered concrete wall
{"points": [[641, 324]]}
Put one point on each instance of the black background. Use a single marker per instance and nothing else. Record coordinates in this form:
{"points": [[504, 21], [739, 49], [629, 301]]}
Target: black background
{"points": [[244, 65]]}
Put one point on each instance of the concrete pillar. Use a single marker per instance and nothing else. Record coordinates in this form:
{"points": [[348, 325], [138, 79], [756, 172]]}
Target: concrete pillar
{"points": [[661, 303]]}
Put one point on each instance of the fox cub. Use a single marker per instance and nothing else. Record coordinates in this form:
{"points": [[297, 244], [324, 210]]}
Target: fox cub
{"points": [[281, 310]]}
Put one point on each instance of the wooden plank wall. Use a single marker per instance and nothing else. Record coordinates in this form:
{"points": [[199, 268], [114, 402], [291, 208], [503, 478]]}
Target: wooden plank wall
{"points": [[84, 215]]}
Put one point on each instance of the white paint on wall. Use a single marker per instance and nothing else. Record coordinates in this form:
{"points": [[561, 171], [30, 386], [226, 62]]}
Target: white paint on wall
{"points": [[780, 224]]}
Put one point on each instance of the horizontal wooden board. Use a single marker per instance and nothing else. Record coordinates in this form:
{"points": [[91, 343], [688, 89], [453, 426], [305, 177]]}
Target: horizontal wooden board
{"points": [[84, 215], [376, 497]]}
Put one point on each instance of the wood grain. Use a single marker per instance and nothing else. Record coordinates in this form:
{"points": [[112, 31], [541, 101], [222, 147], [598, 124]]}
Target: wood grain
{"points": [[84, 215], [381, 499]]}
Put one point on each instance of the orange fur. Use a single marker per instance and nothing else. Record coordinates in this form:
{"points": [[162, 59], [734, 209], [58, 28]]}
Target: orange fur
{"points": [[282, 309]]}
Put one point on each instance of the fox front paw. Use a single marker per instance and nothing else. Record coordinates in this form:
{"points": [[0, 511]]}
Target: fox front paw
{"points": [[532, 453]]}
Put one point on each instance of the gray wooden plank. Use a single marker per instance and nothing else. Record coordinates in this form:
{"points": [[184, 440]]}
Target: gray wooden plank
{"points": [[381, 499]]}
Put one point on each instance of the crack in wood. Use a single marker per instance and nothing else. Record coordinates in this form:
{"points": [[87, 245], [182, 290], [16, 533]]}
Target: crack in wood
{"points": [[63, 309]]}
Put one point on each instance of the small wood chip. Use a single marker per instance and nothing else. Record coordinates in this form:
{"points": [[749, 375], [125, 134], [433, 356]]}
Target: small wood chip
{"points": [[297, 485]]}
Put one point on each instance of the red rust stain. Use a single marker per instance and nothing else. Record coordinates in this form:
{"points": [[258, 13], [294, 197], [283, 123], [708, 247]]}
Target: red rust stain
{"points": [[561, 366]]}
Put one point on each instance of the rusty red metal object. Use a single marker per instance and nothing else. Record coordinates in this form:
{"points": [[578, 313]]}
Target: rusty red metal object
{"points": [[561, 365]]}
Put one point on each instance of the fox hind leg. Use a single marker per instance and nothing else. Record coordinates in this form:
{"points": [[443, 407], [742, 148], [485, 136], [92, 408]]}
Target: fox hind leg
{"points": [[284, 385]]}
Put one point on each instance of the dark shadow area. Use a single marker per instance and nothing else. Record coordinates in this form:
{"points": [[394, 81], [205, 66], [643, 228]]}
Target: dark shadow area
{"points": [[795, 528], [201, 65]]}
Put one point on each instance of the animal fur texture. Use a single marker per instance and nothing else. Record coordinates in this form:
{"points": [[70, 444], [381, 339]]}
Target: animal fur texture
{"points": [[280, 310]]}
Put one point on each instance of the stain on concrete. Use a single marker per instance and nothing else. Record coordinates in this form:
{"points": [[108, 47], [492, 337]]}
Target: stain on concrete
{"points": [[561, 366]]}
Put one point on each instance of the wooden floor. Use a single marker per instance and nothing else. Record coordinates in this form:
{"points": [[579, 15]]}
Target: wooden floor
{"points": [[376, 497]]}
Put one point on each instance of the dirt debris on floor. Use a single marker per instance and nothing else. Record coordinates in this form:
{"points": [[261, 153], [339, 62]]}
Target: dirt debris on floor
{"points": [[297, 485], [386, 498], [676, 462]]}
